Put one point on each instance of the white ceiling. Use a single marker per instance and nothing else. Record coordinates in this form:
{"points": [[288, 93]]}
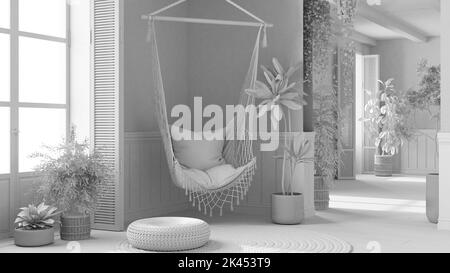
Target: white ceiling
{"points": [[422, 15]]}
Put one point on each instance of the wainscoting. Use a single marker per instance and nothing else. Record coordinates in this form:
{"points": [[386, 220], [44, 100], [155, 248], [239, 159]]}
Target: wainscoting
{"points": [[268, 180], [418, 156], [25, 195], [4, 206], [149, 191]]}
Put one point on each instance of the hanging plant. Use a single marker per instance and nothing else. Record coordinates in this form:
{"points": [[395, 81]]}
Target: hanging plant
{"points": [[346, 11], [326, 31]]}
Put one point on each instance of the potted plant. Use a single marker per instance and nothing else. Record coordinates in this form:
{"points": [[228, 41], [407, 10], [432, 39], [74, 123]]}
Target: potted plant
{"points": [[427, 98], [287, 208], [72, 179], [279, 94], [327, 145], [35, 226], [387, 119]]}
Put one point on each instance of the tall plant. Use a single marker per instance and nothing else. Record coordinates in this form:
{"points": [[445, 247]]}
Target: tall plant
{"points": [[387, 119], [427, 96], [279, 93], [72, 176]]}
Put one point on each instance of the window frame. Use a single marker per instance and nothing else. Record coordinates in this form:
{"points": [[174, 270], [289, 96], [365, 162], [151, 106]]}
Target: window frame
{"points": [[14, 104]]}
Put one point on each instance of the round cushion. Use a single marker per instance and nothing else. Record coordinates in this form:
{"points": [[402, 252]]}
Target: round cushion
{"points": [[168, 234]]}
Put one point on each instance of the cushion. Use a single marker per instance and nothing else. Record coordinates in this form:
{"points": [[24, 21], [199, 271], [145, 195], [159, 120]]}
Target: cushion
{"points": [[168, 234], [216, 177], [196, 154]]}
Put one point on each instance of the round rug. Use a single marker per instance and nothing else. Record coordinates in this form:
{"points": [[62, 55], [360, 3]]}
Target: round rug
{"points": [[304, 242]]}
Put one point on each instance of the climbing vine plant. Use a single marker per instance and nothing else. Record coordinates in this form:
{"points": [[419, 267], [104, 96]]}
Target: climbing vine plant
{"points": [[326, 31]]}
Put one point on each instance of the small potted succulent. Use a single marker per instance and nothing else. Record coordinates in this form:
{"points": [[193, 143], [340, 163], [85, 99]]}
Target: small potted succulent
{"points": [[387, 119], [427, 97], [72, 181], [35, 226], [279, 97]]}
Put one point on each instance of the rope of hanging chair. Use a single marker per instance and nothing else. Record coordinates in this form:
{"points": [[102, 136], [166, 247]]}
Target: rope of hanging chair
{"points": [[238, 153]]}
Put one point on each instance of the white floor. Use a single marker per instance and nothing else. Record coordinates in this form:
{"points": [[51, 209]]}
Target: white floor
{"points": [[372, 214]]}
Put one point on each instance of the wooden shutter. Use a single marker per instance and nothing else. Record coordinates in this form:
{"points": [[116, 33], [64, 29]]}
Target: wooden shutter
{"points": [[106, 109]]}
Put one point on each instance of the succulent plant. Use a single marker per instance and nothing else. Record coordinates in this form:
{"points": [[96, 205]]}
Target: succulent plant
{"points": [[36, 218]]}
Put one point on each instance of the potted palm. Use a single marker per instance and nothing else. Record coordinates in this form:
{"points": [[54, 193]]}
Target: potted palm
{"points": [[72, 179], [35, 226], [387, 119], [279, 97], [327, 145], [427, 98]]}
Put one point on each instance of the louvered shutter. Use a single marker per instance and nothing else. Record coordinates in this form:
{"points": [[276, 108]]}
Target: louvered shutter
{"points": [[106, 128]]}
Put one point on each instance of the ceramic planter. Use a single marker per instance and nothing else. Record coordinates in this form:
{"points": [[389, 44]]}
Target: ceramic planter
{"points": [[321, 194], [433, 198], [383, 165], [287, 209], [75, 227], [34, 238]]}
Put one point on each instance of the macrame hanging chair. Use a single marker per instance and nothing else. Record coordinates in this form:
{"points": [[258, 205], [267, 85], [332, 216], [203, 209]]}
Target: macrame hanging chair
{"points": [[238, 153]]}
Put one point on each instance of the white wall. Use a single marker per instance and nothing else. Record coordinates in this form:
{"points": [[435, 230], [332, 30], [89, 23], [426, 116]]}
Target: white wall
{"points": [[148, 189], [362, 49], [172, 43], [399, 59], [80, 66], [219, 56], [199, 60]]}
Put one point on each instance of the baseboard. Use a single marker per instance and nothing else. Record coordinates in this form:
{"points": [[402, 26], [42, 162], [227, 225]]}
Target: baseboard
{"points": [[5, 235], [266, 210], [253, 210], [444, 224], [418, 172]]}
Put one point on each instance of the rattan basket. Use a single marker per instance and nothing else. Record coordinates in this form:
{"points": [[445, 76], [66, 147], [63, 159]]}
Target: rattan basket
{"points": [[75, 227], [321, 194]]}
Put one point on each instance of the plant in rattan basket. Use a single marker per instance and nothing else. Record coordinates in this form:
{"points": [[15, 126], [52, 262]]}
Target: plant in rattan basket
{"points": [[73, 179]]}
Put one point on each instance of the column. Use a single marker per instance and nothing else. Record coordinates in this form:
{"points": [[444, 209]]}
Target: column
{"points": [[444, 135]]}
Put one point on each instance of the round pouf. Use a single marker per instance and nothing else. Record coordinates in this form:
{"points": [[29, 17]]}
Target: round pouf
{"points": [[168, 234]]}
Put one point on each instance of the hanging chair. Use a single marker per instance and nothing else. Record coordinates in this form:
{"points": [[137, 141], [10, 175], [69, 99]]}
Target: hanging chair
{"points": [[237, 153]]}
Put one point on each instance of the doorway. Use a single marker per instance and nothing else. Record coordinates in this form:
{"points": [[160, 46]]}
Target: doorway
{"points": [[367, 73]]}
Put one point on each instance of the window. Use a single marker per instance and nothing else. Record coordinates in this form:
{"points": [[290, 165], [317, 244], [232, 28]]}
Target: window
{"points": [[4, 140], [33, 79], [4, 13]]}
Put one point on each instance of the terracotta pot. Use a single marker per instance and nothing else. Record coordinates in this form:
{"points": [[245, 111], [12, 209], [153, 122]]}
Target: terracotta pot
{"points": [[433, 198], [321, 194], [75, 227], [34, 238], [287, 209], [383, 165]]}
